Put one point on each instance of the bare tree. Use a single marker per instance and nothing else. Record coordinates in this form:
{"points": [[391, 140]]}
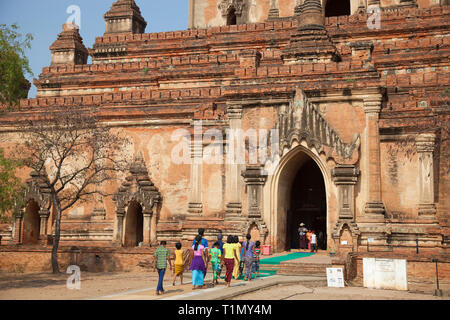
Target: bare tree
{"points": [[77, 154]]}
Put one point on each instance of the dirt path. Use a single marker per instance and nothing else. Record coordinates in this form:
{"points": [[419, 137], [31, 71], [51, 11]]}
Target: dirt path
{"points": [[44, 286]]}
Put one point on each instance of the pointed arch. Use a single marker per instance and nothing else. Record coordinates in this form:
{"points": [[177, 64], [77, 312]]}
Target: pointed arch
{"points": [[38, 190], [231, 16], [134, 225], [137, 189], [279, 186], [30, 225], [258, 224], [341, 227]]}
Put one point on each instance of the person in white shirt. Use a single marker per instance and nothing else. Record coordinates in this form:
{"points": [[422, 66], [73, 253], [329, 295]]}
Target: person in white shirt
{"points": [[313, 241]]}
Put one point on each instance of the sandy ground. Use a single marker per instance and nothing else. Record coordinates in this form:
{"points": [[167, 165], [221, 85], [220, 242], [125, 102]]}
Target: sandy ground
{"points": [[141, 286], [44, 286]]}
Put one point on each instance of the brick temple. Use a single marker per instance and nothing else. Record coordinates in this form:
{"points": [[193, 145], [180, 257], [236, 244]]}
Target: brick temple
{"points": [[361, 112]]}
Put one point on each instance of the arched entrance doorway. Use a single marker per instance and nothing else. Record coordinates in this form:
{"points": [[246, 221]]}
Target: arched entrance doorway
{"points": [[31, 223], [292, 171], [134, 225], [231, 17], [307, 204]]}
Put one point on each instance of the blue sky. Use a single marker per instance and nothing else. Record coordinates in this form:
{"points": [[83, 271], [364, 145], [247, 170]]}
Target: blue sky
{"points": [[44, 20]]}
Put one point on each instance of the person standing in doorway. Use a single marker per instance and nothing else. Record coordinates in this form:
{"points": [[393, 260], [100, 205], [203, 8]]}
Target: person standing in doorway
{"points": [[162, 256], [198, 264], [229, 256], [308, 239], [302, 234], [313, 241], [249, 251]]}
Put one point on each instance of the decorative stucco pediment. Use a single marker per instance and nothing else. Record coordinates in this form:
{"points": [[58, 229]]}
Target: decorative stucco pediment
{"points": [[226, 5], [301, 120], [138, 187], [38, 190]]}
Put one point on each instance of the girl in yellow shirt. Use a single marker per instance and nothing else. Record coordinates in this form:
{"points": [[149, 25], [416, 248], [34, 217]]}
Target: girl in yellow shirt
{"points": [[228, 257], [179, 263], [237, 259]]}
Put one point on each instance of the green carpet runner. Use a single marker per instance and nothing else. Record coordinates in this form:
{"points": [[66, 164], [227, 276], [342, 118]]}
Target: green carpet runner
{"points": [[290, 256]]}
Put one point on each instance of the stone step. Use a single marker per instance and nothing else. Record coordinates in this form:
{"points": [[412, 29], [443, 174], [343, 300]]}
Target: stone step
{"points": [[269, 267], [303, 269]]}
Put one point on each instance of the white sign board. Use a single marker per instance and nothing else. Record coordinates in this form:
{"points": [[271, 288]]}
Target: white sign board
{"points": [[335, 277], [385, 274]]}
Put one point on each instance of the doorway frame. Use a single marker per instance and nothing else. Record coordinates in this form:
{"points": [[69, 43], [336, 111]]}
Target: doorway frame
{"points": [[272, 189], [126, 221], [31, 214]]}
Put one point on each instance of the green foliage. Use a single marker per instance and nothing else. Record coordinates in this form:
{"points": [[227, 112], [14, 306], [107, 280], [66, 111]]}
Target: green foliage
{"points": [[11, 188], [13, 65]]}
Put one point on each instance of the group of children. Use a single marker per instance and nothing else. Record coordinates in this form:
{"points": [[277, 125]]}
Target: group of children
{"points": [[239, 260]]}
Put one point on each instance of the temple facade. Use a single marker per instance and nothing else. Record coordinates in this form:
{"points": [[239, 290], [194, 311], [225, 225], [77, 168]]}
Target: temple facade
{"points": [[343, 111]]}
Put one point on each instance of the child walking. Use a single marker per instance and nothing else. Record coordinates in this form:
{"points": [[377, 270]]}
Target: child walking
{"points": [[241, 263], [256, 256], [162, 256], [198, 265], [248, 254], [216, 255], [178, 263], [237, 261], [229, 256]]}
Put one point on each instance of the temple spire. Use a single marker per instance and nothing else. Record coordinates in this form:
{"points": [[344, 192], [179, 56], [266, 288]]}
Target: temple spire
{"points": [[69, 47], [274, 12], [124, 17], [311, 42], [311, 15]]}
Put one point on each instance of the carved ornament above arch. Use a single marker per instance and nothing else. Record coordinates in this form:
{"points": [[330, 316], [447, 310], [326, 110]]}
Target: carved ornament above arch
{"points": [[225, 6], [38, 190], [137, 187], [302, 121]]}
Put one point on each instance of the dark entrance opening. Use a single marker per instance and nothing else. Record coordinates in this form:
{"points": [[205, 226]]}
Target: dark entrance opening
{"points": [[231, 18], [31, 223], [335, 8], [134, 225], [308, 205]]}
